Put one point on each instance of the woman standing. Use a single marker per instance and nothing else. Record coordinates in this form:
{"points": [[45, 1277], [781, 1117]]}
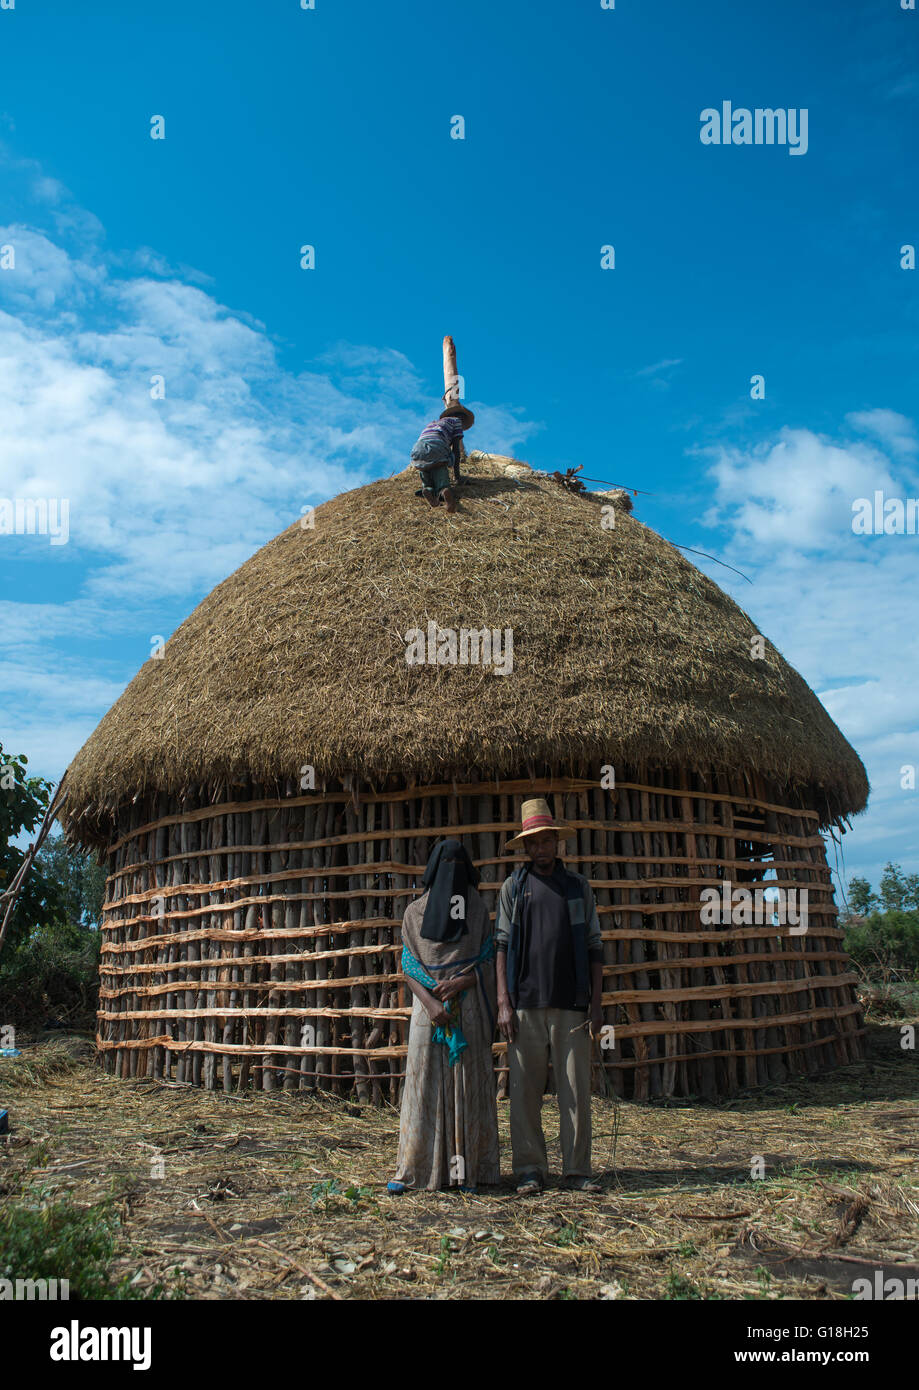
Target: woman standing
{"points": [[448, 1134]]}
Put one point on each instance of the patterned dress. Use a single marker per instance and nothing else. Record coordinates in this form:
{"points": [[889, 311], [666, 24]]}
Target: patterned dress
{"points": [[448, 1135]]}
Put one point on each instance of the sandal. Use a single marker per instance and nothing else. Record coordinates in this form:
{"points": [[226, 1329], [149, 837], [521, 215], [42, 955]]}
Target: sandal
{"points": [[579, 1182], [530, 1184]]}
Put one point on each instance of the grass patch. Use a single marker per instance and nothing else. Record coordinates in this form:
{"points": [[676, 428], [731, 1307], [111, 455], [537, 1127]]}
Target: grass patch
{"points": [[679, 1288], [569, 1234], [60, 1240]]}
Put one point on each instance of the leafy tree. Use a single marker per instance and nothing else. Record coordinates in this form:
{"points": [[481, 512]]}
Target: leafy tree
{"points": [[50, 959], [52, 976], [861, 898], [79, 877], [23, 803], [882, 929], [899, 891]]}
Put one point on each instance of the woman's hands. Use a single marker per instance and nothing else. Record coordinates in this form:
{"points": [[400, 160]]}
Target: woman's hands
{"points": [[443, 993], [434, 1008], [447, 989]]}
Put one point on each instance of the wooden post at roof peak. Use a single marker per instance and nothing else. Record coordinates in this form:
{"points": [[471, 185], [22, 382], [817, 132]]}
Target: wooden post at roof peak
{"points": [[451, 377]]}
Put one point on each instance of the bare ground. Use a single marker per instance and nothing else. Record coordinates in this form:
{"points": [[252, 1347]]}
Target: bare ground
{"points": [[283, 1195]]}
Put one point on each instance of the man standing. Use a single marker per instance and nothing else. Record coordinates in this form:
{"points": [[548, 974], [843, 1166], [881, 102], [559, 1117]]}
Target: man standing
{"points": [[440, 444], [550, 977]]}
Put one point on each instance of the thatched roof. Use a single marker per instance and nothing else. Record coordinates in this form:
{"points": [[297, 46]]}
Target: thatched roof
{"points": [[623, 651]]}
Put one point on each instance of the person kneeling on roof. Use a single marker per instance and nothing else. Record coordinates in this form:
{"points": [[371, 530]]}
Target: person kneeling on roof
{"points": [[439, 445]]}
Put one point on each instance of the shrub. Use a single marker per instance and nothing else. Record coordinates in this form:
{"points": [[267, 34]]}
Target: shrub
{"points": [[61, 1241], [52, 976], [884, 942]]}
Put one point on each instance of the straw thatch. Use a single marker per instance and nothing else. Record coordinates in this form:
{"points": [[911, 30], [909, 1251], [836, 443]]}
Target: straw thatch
{"points": [[623, 652]]}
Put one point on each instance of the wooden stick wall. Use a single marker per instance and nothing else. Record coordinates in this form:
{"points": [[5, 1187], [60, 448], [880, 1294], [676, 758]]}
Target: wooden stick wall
{"points": [[257, 942]]}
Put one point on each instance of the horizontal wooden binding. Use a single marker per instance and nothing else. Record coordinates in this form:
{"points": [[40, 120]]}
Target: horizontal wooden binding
{"points": [[231, 925]]}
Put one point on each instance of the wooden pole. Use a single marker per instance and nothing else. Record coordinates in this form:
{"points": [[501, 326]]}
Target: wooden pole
{"points": [[451, 377]]}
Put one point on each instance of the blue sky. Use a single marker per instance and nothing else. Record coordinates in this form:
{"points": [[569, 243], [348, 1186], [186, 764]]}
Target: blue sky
{"points": [[332, 127]]}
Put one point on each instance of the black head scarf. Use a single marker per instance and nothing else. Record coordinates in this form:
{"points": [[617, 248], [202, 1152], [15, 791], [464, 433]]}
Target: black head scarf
{"points": [[448, 875]]}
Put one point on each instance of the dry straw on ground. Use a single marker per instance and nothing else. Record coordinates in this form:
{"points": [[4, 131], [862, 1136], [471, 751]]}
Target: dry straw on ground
{"points": [[283, 1196]]}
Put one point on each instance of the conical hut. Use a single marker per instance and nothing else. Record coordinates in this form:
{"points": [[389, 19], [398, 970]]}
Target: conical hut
{"points": [[268, 789]]}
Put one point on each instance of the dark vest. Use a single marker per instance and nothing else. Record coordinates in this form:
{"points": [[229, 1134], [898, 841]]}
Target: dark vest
{"points": [[578, 922]]}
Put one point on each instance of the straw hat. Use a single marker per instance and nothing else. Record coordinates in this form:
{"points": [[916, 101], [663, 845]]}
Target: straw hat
{"points": [[536, 816], [464, 414]]}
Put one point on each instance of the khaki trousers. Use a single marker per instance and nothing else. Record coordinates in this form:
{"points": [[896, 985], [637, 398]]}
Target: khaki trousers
{"points": [[542, 1033]]}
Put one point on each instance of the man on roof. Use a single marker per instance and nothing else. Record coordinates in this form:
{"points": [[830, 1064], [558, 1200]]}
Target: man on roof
{"points": [[439, 445]]}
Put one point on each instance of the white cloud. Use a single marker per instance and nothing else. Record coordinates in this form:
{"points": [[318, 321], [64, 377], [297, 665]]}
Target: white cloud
{"points": [[167, 496], [48, 739], [24, 624], [173, 494], [66, 683], [840, 607], [42, 272], [658, 368], [895, 431], [796, 491]]}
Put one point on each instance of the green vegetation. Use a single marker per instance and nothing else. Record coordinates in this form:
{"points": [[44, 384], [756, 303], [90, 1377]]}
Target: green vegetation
{"points": [[882, 938], [78, 879], [569, 1234], [49, 964], [442, 1263], [329, 1195], [51, 977], [23, 803], [320, 1192], [59, 1240], [899, 892], [679, 1288]]}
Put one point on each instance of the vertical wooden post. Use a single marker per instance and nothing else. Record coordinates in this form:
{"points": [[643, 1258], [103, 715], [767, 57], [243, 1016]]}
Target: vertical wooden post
{"points": [[451, 377]]}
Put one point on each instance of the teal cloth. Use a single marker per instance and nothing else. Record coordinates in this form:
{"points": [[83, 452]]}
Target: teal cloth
{"points": [[452, 1037]]}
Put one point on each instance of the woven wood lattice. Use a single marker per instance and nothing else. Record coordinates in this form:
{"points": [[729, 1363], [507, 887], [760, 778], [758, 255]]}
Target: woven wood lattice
{"points": [[256, 942]]}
